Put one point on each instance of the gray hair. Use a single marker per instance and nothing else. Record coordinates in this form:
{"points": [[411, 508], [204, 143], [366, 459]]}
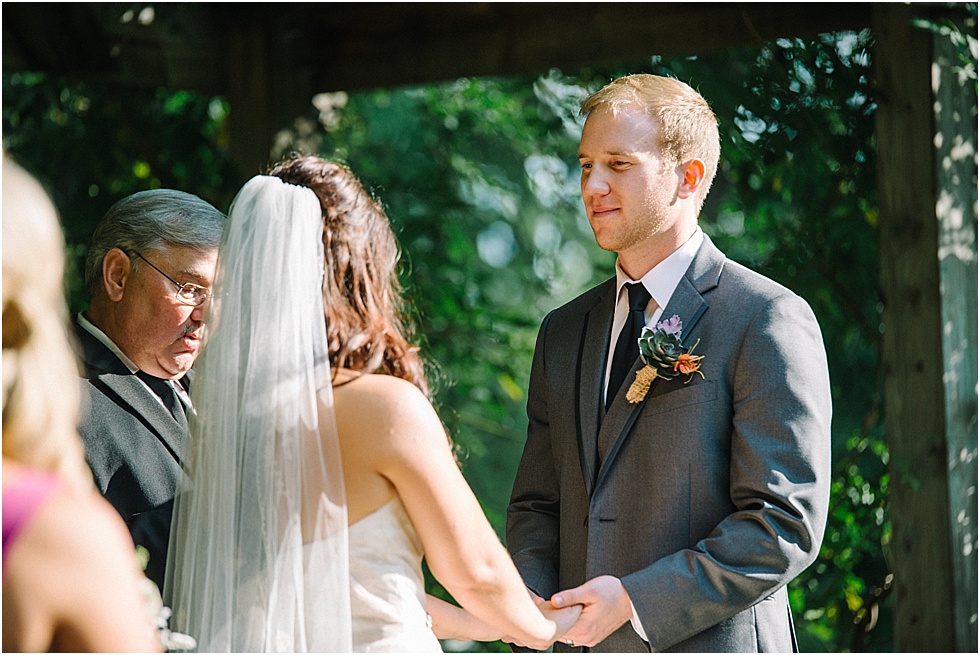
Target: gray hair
{"points": [[151, 220]]}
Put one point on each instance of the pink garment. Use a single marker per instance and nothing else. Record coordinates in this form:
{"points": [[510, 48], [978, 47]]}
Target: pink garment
{"points": [[21, 501]]}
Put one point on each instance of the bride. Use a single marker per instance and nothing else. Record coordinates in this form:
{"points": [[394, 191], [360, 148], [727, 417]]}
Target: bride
{"points": [[318, 472]]}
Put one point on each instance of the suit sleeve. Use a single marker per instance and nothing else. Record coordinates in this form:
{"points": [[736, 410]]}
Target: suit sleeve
{"points": [[533, 514], [779, 484]]}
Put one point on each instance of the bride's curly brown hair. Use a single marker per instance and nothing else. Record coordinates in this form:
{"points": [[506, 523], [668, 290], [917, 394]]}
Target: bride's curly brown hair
{"points": [[368, 327]]}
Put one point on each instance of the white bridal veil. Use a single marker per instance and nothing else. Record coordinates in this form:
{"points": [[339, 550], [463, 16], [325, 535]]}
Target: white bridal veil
{"points": [[258, 558]]}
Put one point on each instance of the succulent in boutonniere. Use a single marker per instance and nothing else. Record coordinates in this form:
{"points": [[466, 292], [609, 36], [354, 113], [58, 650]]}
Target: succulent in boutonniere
{"points": [[664, 357]]}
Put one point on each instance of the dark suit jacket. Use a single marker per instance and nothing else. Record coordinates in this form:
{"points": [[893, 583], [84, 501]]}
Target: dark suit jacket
{"points": [[133, 446], [713, 494]]}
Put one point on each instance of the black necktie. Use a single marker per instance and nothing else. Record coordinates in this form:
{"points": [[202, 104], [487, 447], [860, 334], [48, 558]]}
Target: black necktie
{"points": [[165, 389], [627, 349]]}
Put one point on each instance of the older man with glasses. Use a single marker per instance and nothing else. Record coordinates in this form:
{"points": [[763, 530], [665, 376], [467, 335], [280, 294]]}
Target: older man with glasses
{"points": [[148, 274]]}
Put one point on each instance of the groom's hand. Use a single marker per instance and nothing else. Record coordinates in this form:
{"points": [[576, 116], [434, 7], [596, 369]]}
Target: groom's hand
{"points": [[606, 607]]}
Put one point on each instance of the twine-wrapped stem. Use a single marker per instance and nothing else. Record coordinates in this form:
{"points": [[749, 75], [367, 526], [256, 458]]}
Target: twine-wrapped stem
{"points": [[641, 385]]}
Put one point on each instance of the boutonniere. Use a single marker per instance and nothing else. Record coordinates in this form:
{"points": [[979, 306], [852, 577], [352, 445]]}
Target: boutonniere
{"points": [[664, 357]]}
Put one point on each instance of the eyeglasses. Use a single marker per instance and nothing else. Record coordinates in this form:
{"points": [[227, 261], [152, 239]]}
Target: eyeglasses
{"points": [[187, 293]]}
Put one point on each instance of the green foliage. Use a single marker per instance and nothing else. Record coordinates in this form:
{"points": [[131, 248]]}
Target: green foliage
{"points": [[480, 179], [964, 43], [845, 594]]}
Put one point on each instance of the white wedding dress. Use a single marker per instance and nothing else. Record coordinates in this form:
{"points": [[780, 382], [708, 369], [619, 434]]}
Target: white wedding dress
{"points": [[387, 588]]}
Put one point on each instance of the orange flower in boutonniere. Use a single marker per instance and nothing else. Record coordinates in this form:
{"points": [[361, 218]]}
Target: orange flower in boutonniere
{"points": [[664, 357], [689, 364]]}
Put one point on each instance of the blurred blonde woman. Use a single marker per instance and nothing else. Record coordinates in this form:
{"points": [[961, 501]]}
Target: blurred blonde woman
{"points": [[71, 581]]}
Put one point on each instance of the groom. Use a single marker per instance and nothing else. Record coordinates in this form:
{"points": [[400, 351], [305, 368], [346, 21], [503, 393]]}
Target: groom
{"points": [[676, 517]]}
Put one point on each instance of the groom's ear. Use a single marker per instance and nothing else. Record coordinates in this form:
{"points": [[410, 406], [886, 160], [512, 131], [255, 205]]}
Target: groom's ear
{"points": [[692, 174]]}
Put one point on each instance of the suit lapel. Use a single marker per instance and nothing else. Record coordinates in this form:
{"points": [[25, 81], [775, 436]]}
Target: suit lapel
{"points": [[689, 304], [144, 404], [591, 375]]}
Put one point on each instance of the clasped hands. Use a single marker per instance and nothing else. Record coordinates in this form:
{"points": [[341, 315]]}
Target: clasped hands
{"points": [[587, 614]]}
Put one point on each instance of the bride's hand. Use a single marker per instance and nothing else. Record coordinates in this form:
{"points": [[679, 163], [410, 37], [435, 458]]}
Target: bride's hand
{"points": [[564, 618]]}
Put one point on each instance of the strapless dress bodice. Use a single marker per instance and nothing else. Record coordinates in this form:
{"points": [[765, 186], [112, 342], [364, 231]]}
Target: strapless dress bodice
{"points": [[387, 586]]}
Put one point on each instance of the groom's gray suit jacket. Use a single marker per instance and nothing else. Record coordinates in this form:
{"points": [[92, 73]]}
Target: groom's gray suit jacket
{"points": [[711, 494]]}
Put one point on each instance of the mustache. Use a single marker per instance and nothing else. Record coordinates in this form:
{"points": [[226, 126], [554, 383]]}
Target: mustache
{"points": [[195, 326]]}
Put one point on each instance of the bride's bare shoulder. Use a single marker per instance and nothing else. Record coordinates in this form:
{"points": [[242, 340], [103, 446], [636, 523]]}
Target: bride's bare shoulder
{"points": [[372, 397], [388, 420]]}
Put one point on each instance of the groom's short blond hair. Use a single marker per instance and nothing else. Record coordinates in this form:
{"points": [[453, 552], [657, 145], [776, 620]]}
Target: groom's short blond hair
{"points": [[688, 126]]}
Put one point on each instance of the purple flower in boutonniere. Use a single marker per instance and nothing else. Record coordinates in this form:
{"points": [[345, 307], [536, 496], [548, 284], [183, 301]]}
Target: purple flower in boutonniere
{"points": [[664, 357], [672, 326]]}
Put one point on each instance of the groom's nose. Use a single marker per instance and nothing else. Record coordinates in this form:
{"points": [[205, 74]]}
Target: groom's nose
{"points": [[596, 183]]}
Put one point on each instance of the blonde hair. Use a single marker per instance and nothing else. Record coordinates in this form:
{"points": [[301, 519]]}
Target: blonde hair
{"points": [[688, 126], [41, 385]]}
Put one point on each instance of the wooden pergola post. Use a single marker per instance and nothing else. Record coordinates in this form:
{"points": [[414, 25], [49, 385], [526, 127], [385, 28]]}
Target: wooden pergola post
{"points": [[927, 182], [955, 109], [268, 85]]}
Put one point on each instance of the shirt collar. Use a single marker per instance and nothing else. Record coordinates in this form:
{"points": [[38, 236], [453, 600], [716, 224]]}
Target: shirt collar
{"points": [[107, 342], [663, 278]]}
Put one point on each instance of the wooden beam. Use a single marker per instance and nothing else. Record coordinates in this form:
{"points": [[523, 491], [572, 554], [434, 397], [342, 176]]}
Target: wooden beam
{"points": [[914, 335], [355, 46], [398, 44]]}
